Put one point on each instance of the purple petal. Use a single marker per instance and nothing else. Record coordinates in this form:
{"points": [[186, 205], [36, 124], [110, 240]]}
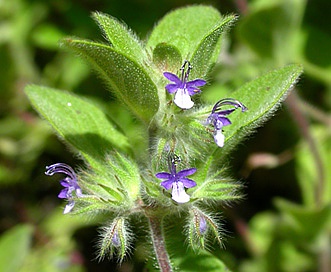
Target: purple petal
{"points": [[65, 183], [173, 77], [186, 172], [188, 183], [63, 193], [192, 90], [225, 121], [172, 88], [167, 184], [163, 175], [196, 83]]}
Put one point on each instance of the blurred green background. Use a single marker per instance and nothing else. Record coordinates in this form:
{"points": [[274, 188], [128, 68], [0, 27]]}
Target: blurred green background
{"points": [[285, 166]]}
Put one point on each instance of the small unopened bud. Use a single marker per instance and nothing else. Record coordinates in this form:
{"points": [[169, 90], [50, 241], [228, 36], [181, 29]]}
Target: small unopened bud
{"points": [[201, 228], [200, 223], [203, 225], [115, 239]]}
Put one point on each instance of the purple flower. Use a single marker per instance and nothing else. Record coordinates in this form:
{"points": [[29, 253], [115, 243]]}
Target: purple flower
{"points": [[177, 181], [69, 183], [218, 117], [182, 88]]}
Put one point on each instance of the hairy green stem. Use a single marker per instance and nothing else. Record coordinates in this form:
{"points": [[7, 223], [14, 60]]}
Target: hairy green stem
{"points": [[155, 224]]}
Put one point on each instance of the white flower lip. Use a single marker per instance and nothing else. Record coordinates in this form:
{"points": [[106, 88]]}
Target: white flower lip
{"points": [[183, 99], [178, 193]]}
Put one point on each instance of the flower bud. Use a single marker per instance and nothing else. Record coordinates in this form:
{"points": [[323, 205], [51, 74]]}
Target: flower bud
{"points": [[115, 239], [201, 227]]}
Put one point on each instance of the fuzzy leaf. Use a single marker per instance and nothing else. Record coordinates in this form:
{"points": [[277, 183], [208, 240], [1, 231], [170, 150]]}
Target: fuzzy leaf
{"points": [[126, 172], [185, 28], [212, 184], [262, 97], [125, 77], [117, 180], [103, 192], [216, 189], [167, 57], [78, 121], [120, 37], [93, 206], [207, 52]]}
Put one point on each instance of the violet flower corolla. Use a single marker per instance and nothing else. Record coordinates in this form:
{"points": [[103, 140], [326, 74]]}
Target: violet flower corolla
{"points": [[218, 117], [177, 181], [182, 88], [69, 183]]}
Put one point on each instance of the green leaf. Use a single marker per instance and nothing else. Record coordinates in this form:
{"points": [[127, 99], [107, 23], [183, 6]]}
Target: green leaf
{"points": [[117, 180], [217, 189], [304, 224], [167, 57], [126, 172], [271, 29], [14, 247], [120, 37], [207, 52], [100, 191], [262, 97], [78, 121], [204, 261], [126, 78], [93, 206], [185, 28]]}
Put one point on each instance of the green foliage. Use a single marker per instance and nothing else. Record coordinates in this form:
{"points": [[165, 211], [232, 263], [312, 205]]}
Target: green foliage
{"points": [[313, 183], [125, 138], [129, 80], [14, 247], [114, 185], [196, 40], [167, 57], [276, 26], [120, 37], [262, 97], [79, 122], [204, 261], [212, 184]]}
